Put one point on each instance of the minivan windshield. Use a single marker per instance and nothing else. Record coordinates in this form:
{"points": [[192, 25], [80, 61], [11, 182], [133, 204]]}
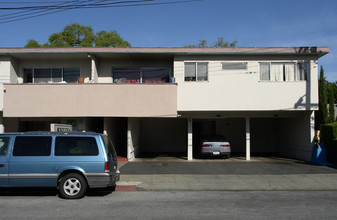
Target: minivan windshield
{"points": [[109, 146]]}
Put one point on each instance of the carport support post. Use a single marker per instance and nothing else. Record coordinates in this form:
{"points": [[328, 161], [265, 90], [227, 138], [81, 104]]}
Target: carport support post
{"points": [[189, 139], [247, 138]]}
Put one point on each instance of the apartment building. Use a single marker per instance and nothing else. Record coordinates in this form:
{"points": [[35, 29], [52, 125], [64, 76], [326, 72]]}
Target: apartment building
{"points": [[162, 100]]}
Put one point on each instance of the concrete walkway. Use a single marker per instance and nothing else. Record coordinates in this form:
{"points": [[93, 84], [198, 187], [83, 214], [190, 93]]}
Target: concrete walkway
{"points": [[235, 174]]}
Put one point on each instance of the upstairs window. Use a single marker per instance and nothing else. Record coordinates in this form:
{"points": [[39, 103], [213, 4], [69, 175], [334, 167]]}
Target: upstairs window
{"points": [[234, 65], [141, 75], [196, 71], [126, 75], [282, 72], [51, 75]]}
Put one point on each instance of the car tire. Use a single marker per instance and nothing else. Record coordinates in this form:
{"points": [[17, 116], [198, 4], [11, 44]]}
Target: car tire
{"points": [[72, 186]]}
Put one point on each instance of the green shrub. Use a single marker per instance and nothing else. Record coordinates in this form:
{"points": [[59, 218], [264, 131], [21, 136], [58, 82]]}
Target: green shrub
{"points": [[329, 138]]}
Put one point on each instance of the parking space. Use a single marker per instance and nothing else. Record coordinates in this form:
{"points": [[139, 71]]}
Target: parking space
{"points": [[232, 166], [235, 174]]}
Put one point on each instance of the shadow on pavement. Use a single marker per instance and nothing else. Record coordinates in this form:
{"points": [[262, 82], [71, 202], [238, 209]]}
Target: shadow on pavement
{"points": [[217, 167], [48, 191]]}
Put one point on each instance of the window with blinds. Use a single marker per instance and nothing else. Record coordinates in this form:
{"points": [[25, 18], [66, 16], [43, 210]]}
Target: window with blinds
{"points": [[283, 71], [196, 71]]}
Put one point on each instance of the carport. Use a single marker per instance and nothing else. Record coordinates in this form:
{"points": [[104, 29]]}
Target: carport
{"points": [[148, 137], [286, 133], [289, 134]]}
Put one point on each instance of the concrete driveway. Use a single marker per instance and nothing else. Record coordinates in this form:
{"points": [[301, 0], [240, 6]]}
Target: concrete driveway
{"points": [[235, 174]]}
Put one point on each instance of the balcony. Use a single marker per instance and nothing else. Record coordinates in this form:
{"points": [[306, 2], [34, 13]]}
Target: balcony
{"points": [[90, 100]]}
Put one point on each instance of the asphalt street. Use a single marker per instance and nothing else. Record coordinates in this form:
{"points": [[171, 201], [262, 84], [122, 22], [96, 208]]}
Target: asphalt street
{"points": [[168, 188], [173, 205]]}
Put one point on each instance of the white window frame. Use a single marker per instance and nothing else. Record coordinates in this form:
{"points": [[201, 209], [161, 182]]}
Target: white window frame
{"points": [[51, 78], [196, 78], [273, 77], [140, 73]]}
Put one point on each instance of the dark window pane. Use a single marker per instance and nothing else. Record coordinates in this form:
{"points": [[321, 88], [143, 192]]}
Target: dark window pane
{"points": [[109, 147], [56, 74], [70, 75], [127, 75], [28, 75], [42, 75], [32, 146], [155, 75], [76, 146], [4, 141]]}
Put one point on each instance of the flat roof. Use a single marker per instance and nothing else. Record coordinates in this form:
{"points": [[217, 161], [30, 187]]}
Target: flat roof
{"points": [[317, 51]]}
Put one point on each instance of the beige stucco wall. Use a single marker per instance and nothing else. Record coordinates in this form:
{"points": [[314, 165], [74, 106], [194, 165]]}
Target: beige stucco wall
{"points": [[242, 90], [84, 100]]}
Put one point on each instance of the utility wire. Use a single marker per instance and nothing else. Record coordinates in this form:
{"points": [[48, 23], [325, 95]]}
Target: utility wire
{"points": [[24, 12]]}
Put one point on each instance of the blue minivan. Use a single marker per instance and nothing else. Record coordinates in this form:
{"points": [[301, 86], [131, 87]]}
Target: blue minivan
{"points": [[72, 162]]}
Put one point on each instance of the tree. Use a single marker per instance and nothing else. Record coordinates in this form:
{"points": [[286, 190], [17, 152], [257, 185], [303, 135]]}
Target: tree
{"points": [[76, 35], [334, 89], [220, 43], [323, 100], [331, 104], [110, 39], [32, 43]]}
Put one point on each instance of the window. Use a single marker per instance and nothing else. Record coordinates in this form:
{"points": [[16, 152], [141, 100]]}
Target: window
{"points": [[155, 75], [76, 146], [110, 149], [302, 70], [32, 146], [70, 75], [4, 141], [141, 75], [281, 72], [46, 75], [234, 66], [196, 71], [127, 75], [51, 75]]}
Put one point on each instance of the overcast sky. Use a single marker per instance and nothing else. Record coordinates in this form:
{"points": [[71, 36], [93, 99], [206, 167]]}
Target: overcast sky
{"points": [[253, 23]]}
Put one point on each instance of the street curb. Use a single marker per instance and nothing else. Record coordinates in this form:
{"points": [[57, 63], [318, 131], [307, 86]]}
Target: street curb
{"points": [[126, 187]]}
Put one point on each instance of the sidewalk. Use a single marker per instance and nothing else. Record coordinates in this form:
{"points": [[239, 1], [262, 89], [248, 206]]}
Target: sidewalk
{"points": [[235, 174]]}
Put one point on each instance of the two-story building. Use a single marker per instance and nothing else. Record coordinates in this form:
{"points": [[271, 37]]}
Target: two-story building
{"points": [[162, 100]]}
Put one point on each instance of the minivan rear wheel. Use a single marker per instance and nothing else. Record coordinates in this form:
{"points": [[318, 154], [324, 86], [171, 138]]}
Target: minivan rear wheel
{"points": [[72, 186]]}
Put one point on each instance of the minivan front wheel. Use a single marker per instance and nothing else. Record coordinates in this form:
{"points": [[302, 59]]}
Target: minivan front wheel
{"points": [[72, 186]]}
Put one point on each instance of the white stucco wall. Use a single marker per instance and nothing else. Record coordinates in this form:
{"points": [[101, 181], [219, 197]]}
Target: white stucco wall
{"points": [[5, 69], [233, 90]]}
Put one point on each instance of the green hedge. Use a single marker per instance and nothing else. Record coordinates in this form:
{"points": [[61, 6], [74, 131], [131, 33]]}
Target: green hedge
{"points": [[329, 138]]}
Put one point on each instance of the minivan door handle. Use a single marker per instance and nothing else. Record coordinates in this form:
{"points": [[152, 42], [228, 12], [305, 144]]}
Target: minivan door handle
{"points": [[2, 165]]}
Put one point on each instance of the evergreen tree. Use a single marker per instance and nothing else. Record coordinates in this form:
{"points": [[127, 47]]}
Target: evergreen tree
{"points": [[323, 100], [331, 105]]}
